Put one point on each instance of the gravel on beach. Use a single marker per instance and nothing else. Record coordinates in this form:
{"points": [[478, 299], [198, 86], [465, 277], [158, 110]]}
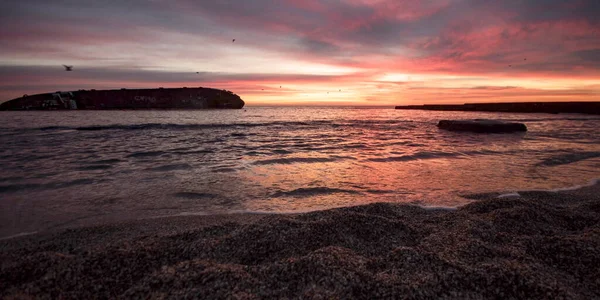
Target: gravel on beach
{"points": [[543, 245]]}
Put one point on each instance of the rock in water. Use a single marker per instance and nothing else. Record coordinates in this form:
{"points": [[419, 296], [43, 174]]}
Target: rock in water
{"points": [[482, 126]]}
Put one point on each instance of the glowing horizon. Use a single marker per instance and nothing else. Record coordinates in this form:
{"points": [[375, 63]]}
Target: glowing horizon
{"points": [[345, 52]]}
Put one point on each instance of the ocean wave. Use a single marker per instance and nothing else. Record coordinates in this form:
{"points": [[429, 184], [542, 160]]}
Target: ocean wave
{"points": [[201, 151], [194, 195], [592, 182], [416, 156], [53, 128], [240, 134], [108, 161], [95, 167], [343, 157], [437, 207], [354, 146], [218, 212], [306, 192], [81, 181], [171, 167], [17, 235], [224, 170], [147, 154], [293, 160], [9, 188], [380, 192], [172, 126], [507, 195], [11, 178], [396, 124], [406, 143], [281, 151], [516, 194], [485, 152], [567, 158], [255, 153]]}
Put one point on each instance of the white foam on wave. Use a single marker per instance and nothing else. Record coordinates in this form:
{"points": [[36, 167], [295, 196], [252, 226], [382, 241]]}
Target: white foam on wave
{"points": [[182, 214], [284, 212], [555, 190], [437, 207], [216, 213], [577, 187], [507, 195], [17, 235], [426, 207], [61, 131]]}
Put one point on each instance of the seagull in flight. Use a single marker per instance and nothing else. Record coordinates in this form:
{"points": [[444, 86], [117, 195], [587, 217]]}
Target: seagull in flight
{"points": [[68, 68], [233, 41]]}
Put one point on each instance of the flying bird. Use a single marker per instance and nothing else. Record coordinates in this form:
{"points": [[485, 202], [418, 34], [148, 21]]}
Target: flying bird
{"points": [[68, 68], [233, 41]]}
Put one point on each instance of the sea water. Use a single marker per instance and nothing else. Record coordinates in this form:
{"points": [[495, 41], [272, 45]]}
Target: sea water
{"points": [[67, 168]]}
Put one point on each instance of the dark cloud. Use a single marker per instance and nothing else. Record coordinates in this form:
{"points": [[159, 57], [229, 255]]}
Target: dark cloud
{"points": [[588, 56], [470, 37], [51, 78], [319, 47], [555, 10], [141, 75]]}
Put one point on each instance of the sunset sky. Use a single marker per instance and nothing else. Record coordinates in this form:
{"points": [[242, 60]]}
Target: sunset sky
{"points": [[324, 52]]}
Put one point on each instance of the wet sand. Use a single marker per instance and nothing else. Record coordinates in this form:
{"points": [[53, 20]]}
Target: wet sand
{"points": [[538, 245]]}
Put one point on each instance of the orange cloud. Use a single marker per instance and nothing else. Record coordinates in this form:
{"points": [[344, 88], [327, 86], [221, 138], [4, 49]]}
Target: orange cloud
{"points": [[376, 51]]}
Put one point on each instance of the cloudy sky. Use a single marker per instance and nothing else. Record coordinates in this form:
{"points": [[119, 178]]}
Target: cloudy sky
{"points": [[359, 52]]}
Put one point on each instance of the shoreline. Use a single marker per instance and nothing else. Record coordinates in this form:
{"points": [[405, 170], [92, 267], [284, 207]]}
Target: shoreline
{"points": [[472, 197], [542, 244]]}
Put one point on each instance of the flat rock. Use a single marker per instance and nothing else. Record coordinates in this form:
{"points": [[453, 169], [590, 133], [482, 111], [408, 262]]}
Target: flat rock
{"points": [[482, 126]]}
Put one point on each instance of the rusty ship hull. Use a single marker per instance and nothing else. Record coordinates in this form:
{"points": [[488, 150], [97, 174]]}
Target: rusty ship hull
{"points": [[161, 98]]}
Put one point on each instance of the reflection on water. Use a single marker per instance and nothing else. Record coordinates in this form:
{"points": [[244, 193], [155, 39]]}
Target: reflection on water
{"points": [[69, 168]]}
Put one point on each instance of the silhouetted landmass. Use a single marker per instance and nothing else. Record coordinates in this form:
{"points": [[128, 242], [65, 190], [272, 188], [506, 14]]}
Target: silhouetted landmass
{"points": [[161, 98], [516, 107]]}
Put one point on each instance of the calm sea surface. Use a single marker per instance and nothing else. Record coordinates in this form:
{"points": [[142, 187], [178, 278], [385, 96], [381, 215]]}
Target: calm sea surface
{"points": [[69, 168]]}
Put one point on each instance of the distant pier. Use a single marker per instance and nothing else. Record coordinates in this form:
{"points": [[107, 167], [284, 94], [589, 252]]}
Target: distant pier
{"points": [[592, 108]]}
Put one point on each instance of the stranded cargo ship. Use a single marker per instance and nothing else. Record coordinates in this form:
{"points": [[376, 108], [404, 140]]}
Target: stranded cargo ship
{"points": [[161, 98]]}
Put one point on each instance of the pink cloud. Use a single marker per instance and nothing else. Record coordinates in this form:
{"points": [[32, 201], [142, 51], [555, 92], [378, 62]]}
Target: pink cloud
{"points": [[465, 39]]}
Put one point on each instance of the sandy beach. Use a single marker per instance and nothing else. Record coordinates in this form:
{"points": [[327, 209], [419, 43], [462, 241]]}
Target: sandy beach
{"points": [[538, 245]]}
